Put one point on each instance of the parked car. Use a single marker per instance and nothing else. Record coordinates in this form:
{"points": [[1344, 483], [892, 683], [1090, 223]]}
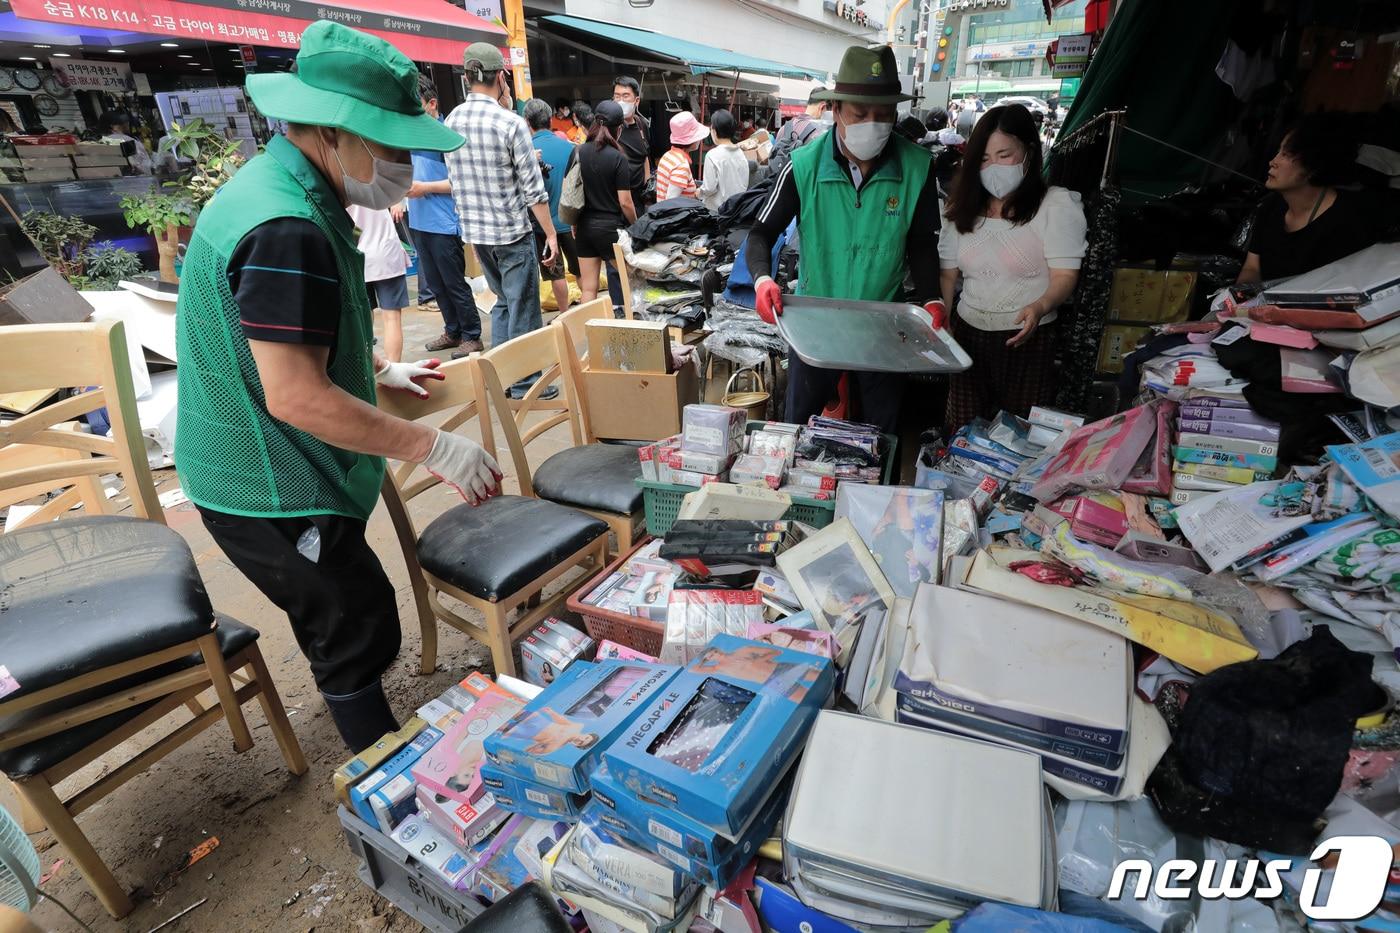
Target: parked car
{"points": [[1033, 104]]}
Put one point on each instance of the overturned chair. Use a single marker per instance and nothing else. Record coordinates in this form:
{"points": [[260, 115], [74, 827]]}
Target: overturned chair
{"points": [[104, 621]]}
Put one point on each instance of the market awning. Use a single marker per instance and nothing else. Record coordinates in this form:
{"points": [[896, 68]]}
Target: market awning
{"points": [[697, 57], [424, 30]]}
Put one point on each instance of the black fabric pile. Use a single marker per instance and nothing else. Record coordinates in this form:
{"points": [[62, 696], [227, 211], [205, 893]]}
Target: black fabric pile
{"points": [[673, 219], [1261, 745]]}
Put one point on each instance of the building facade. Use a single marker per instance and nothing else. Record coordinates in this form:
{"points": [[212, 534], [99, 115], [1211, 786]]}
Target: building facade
{"points": [[994, 48], [807, 33]]}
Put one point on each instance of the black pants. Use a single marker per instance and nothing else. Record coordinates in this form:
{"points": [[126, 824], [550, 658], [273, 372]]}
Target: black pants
{"points": [[342, 606], [441, 257], [810, 389]]}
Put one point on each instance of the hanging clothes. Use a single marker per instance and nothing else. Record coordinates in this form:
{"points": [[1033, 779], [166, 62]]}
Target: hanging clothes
{"points": [[1080, 335]]}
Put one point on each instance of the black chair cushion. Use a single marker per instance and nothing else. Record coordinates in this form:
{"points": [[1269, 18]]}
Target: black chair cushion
{"points": [[80, 594], [496, 548], [42, 754], [530, 908], [596, 476]]}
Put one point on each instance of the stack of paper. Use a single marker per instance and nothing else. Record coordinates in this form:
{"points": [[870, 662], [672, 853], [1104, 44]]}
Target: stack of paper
{"points": [[1020, 676], [977, 830]]}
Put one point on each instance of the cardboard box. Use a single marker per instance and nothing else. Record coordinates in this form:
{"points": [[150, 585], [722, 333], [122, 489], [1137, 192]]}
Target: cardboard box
{"points": [[1118, 341], [465, 824], [93, 160], [529, 799], [401, 763], [1142, 294], [558, 738], [725, 500], [42, 298], [714, 740], [628, 346], [639, 406], [102, 171], [372, 757], [710, 856], [452, 767]]}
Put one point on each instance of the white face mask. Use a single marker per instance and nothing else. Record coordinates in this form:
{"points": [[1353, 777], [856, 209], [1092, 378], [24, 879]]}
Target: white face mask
{"points": [[628, 108], [1001, 180], [387, 186], [864, 141]]}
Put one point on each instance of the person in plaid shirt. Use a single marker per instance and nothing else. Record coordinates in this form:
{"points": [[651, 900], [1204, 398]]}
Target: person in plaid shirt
{"points": [[495, 179]]}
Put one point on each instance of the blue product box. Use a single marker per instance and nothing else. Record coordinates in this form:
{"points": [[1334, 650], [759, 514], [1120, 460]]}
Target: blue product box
{"points": [[782, 912], [694, 849], [558, 738], [402, 761], [519, 795], [712, 743]]}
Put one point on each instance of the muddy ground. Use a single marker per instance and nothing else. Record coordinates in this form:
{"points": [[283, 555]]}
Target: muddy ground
{"points": [[281, 863]]}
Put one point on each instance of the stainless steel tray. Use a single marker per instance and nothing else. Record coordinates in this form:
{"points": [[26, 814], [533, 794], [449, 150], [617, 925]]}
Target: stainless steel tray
{"points": [[868, 336]]}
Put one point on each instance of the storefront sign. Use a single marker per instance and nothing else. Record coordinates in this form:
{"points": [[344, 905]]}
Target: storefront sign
{"points": [[1070, 58], [489, 10], [262, 22], [847, 11], [964, 6], [81, 75]]}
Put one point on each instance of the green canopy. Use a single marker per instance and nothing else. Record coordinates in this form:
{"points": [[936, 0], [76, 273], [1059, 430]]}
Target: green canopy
{"points": [[1158, 60]]}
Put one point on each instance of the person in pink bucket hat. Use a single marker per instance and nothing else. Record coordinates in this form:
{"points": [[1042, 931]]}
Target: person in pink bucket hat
{"points": [[674, 176]]}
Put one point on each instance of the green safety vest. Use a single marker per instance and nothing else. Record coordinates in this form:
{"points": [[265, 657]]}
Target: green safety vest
{"points": [[232, 456], [853, 242]]}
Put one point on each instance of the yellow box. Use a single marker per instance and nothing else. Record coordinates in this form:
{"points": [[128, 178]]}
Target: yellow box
{"points": [[1145, 295], [1118, 341]]}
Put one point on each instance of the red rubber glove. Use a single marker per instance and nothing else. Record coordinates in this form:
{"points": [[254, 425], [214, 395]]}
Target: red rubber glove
{"points": [[769, 300], [939, 312]]}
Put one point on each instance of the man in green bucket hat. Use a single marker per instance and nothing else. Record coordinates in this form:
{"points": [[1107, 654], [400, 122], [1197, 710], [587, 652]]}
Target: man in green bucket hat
{"points": [[280, 444], [866, 206]]}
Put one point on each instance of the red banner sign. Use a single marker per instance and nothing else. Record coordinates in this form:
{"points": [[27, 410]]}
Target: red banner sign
{"points": [[195, 21]]}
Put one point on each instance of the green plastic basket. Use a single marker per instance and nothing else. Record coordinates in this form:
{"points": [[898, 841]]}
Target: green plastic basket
{"points": [[663, 500]]}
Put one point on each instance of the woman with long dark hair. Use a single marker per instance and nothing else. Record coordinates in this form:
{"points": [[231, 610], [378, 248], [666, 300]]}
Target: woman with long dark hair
{"points": [[607, 196], [1015, 245]]}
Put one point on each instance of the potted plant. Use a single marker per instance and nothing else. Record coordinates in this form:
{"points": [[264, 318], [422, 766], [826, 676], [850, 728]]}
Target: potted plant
{"points": [[104, 266], [163, 215], [215, 157], [60, 239]]}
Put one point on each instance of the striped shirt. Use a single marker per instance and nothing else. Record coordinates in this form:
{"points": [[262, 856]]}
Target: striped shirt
{"points": [[286, 283], [673, 176], [495, 177]]}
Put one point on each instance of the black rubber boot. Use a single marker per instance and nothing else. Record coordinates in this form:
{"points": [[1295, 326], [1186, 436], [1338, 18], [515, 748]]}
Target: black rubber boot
{"points": [[362, 717]]}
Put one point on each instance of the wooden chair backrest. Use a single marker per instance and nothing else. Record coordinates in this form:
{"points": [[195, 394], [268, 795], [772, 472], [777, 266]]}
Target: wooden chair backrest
{"points": [[503, 366], [625, 278], [458, 394], [571, 335], [43, 452]]}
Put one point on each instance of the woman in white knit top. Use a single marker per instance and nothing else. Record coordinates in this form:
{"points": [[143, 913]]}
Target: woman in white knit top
{"points": [[1015, 246]]}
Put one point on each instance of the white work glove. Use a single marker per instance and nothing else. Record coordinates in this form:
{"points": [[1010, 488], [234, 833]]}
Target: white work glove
{"points": [[464, 465], [404, 376]]}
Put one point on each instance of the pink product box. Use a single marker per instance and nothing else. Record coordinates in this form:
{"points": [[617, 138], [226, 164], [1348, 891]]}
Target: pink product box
{"points": [[689, 461], [465, 824], [1233, 415], [756, 470], [1240, 429], [1098, 455], [1090, 521], [652, 455], [713, 429], [612, 651], [809, 641], [1152, 474]]}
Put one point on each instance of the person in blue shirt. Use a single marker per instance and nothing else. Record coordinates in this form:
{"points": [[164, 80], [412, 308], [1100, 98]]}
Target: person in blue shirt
{"points": [[432, 222], [556, 155]]}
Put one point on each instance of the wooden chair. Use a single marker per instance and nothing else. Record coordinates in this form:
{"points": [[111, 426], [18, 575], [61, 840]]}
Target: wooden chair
{"points": [[107, 627], [599, 479], [497, 557], [625, 276]]}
